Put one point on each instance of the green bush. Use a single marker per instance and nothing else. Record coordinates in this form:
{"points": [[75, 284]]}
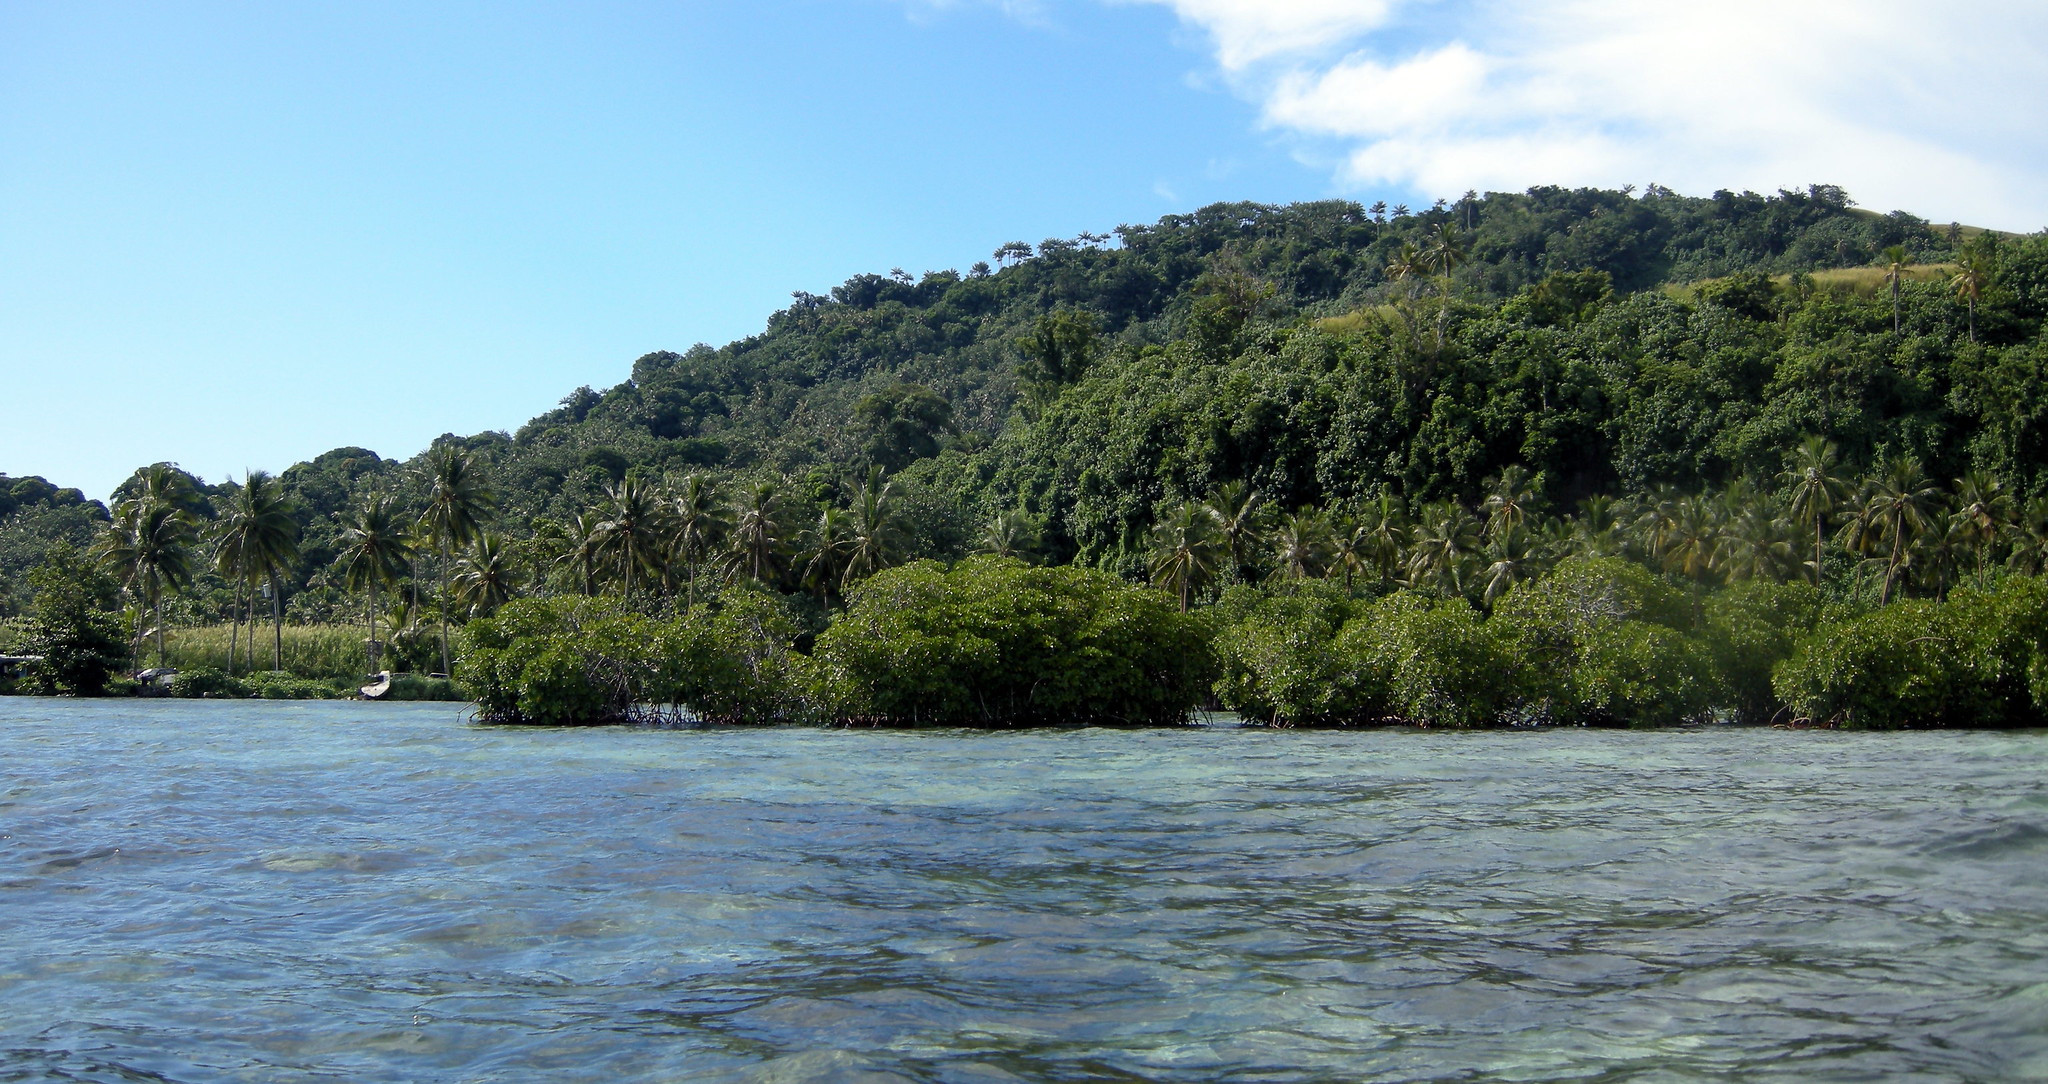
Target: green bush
{"points": [[72, 628], [416, 687], [1976, 660], [1432, 662], [284, 685], [994, 642], [1604, 642], [1278, 661], [208, 682], [588, 661], [1750, 629]]}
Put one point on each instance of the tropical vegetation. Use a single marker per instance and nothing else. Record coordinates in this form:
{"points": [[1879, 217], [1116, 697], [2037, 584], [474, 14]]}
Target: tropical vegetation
{"points": [[1562, 456]]}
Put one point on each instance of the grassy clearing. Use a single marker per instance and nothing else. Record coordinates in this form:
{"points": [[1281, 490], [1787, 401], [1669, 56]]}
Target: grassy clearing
{"points": [[318, 652], [1853, 281]]}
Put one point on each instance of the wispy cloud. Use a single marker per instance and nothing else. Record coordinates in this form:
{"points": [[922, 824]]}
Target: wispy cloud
{"points": [[1935, 108]]}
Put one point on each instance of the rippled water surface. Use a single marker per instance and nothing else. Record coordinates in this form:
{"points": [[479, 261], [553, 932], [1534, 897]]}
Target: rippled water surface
{"points": [[265, 892]]}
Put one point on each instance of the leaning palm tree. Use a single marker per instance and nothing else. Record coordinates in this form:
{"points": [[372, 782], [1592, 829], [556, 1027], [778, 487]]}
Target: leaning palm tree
{"points": [[1814, 488], [634, 525], [373, 552], [698, 522], [486, 576], [457, 501], [1185, 548], [876, 535], [1895, 263], [1903, 503], [1984, 514], [760, 533], [1303, 545]]}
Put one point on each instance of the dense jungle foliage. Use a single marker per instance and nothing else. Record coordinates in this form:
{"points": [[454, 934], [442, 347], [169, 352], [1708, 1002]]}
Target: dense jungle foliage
{"points": [[1428, 412]]}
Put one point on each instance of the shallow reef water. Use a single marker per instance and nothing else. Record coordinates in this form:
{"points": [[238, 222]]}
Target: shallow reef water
{"points": [[271, 891]]}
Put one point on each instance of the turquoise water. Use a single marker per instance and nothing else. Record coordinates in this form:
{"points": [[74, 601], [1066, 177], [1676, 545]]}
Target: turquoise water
{"points": [[296, 892]]}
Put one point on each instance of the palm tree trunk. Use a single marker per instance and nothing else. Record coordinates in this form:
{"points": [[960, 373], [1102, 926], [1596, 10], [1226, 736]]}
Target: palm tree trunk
{"points": [[234, 629], [157, 607], [1891, 566], [445, 669], [370, 646], [1817, 522], [277, 622]]}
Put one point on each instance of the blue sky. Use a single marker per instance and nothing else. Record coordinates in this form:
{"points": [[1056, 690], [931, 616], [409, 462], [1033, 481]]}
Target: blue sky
{"points": [[237, 235]]}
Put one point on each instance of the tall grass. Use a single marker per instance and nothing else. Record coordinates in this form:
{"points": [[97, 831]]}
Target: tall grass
{"points": [[324, 652]]}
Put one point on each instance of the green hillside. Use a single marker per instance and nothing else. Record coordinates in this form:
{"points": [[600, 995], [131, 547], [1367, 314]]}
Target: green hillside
{"points": [[1329, 359]]}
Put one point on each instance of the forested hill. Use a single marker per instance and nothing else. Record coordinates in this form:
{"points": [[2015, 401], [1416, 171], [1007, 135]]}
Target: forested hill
{"points": [[1324, 353]]}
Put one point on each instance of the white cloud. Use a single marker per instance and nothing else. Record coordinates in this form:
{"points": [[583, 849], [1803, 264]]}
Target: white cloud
{"points": [[1938, 109]]}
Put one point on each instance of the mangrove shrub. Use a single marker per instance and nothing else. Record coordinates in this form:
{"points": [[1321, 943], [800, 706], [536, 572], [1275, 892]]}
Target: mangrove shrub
{"points": [[994, 642]]}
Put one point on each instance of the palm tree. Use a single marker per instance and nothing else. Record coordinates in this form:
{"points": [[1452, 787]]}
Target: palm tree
{"points": [[1408, 264], [1303, 545], [699, 521], [1902, 502], [1509, 500], [1983, 515], [1234, 510], [1384, 534], [585, 548], [1184, 549], [1512, 555], [758, 539], [150, 546], [1350, 547], [230, 559], [1446, 546], [875, 530], [1813, 489], [2029, 534], [633, 527], [827, 544], [1445, 252], [1009, 534], [1692, 540], [1894, 273], [373, 553], [1596, 530], [254, 540], [485, 576], [1655, 524], [457, 501], [1973, 274], [1757, 544]]}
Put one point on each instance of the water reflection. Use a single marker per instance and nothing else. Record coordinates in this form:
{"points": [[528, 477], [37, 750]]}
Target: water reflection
{"points": [[380, 892]]}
